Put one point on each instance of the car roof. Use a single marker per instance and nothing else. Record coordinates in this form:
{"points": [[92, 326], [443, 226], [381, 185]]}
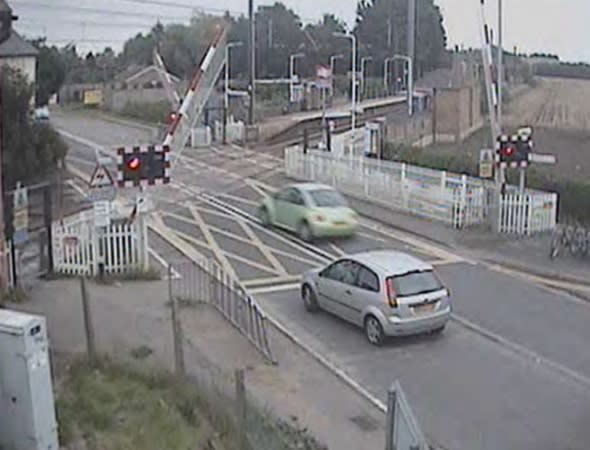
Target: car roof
{"points": [[306, 187], [390, 262]]}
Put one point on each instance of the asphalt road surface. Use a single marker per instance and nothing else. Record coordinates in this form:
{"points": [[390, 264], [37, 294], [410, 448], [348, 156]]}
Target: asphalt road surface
{"points": [[511, 371]]}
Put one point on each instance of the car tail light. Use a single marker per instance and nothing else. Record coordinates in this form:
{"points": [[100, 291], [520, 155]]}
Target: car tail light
{"points": [[391, 294]]}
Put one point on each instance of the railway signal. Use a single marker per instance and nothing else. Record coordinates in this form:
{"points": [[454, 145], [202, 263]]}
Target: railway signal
{"points": [[143, 166]]}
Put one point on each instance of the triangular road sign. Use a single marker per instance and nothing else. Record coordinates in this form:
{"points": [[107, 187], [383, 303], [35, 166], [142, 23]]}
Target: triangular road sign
{"points": [[101, 177]]}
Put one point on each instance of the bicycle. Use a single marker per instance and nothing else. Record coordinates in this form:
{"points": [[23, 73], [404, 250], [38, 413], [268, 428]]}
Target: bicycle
{"points": [[561, 238]]}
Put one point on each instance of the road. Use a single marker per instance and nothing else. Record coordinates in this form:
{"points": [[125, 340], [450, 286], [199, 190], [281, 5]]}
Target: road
{"points": [[511, 371]]}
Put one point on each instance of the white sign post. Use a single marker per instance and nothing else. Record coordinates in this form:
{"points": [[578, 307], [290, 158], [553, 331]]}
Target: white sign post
{"points": [[486, 163], [21, 214], [102, 213]]}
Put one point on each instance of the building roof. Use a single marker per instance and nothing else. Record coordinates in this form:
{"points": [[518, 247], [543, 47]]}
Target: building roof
{"points": [[148, 69], [15, 45]]}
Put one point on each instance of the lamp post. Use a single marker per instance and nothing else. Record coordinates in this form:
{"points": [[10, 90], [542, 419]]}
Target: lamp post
{"points": [[333, 59], [352, 38], [292, 59], [364, 60], [410, 87], [386, 75], [226, 93], [229, 46]]}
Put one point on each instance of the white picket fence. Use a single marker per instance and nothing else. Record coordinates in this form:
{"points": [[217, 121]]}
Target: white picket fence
{"points": [[457, 200], [527, 213], [436, 195], [81, 248]]}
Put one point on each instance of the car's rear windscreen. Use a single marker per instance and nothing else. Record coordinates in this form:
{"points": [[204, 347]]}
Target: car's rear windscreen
{"points": [[415, 283]]}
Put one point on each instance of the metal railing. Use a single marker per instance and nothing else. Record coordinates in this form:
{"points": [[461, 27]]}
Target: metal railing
{"points": [[403, 431], [207, 282]]}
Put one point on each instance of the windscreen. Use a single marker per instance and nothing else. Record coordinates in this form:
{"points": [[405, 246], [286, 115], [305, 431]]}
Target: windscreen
{"points": [[327, 198], [416, 283]]}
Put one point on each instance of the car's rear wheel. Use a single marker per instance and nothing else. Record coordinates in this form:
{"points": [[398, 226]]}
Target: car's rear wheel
{"points": [[438, 330], [264, 216], [309, 299], [374, 330], [304, 232]]}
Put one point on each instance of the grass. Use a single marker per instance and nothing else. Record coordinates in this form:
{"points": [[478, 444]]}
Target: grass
{"points": [[113, 407], [14, 295]]}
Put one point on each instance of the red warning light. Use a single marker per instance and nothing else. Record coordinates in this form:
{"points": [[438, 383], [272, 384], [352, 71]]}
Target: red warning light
{"points": [[509, 151], [134, 163]]}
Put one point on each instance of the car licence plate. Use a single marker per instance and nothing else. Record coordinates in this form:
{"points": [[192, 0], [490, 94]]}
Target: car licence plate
{"points": [[424, 309]]}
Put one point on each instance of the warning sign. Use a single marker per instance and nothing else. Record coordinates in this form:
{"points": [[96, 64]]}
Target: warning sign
{"points": [[101, 177], [102, 186]]}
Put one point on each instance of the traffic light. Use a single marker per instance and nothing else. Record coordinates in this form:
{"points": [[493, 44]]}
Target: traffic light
{"points": [[513, 151], [143, 166]]}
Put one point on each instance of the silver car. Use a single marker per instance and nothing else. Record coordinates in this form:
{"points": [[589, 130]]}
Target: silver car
{"points": [[388, 293]]}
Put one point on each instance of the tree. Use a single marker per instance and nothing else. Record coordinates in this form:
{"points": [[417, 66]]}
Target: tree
{"points": [[51, 71], [30, 151], [379, 19]]}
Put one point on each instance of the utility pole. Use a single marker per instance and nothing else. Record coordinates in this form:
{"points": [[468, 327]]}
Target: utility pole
{"points": [[252, 59], [3, 278], [411, 51], [500, 64]]}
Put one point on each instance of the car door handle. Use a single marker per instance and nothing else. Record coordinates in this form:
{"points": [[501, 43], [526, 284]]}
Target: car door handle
{"points": [[348, 291]]}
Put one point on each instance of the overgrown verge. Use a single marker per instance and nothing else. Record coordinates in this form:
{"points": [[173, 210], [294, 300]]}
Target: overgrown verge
{"points": [[574, 196], [112, 406]]}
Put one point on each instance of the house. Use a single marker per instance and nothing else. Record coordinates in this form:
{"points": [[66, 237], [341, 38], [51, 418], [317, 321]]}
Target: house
{"points": [[138, 85], [15, 51]]}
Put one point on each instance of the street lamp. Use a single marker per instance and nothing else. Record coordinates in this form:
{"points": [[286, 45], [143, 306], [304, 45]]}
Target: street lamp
{"points": [[352, 38], [292, 75], [364, 60], [229, 46], [386, 75], [410, 87], [333, 59]]}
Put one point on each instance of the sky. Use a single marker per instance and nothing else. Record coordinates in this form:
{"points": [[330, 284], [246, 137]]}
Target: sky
{"points": [[551, 26]]}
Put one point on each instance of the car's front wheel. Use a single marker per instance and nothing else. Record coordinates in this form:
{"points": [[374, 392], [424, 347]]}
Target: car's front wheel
{"points": [[374, 330], [309, 299], [304, 232], [264, 216]]}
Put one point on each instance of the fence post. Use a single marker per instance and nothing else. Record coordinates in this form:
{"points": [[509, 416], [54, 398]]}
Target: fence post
{"points": [[176, 328], [443, 181], [241, 410], [390, 424], [88, 323]]}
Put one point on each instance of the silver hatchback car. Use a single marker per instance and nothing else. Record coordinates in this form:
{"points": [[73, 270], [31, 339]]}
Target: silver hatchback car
{"points": [[388, 293]]}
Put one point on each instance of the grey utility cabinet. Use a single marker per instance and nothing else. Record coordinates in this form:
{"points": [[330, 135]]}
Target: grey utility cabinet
{"points": [[27, 410]]}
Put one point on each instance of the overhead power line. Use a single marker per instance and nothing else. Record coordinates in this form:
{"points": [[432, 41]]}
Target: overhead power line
{"points": [[85, 23], [108, 12]]}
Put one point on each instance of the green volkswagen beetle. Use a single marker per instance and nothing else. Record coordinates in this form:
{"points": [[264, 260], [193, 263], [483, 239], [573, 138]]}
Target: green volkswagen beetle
{"points": [[310, 210]]}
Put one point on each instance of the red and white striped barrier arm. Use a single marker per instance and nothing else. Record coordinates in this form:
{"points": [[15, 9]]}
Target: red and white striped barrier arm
{"points": [[194, 86], [489, 61]]}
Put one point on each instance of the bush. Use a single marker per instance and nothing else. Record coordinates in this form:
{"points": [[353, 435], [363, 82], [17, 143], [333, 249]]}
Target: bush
{"points": [[155, 112], [459, 163]]}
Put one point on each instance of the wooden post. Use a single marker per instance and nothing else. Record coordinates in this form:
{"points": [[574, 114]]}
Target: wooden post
{"points": [[179, 365], [241, 410], [88, 323]]}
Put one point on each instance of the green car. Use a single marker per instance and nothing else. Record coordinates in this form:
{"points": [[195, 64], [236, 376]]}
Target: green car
{"points": [[310, 210]]}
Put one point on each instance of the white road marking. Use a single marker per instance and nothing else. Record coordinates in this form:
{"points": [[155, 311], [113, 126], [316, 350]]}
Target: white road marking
{"points": [[337, 249], [238, 199], [263, 282], [264, 249], [164, 263]]}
